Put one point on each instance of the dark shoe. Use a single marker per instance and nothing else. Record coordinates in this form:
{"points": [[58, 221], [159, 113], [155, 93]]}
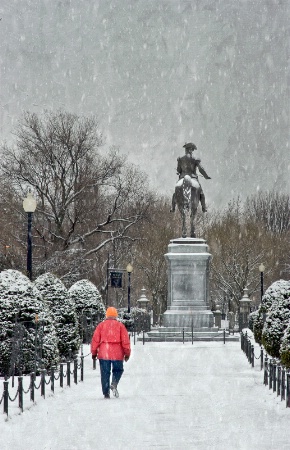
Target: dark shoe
{"points": [[107, 396], [114, 390]]}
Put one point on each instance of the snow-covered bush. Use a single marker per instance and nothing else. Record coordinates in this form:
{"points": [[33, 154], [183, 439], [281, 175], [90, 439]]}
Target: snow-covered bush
{"points": [[138, 319], [277, 291], [258, 324], [278, 317], [285, 348], [22, 313], [63, 313], [252, 318], [126, 318], [89, 306], [270, 299]]}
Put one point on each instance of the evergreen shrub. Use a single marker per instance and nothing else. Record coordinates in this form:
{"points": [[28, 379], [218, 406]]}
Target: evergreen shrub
{"points": [[89, 307], [63, 313], [285, 348], [27, 335], [278, 317], [270, 299], [138, 319]]}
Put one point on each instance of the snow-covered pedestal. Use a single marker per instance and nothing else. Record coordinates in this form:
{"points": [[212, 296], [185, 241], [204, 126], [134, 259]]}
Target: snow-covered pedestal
{"points": [[188, 316], [188, 262]]}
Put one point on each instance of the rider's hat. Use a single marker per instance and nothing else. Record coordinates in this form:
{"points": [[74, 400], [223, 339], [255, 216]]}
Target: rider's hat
{"points": [[190, 145]]}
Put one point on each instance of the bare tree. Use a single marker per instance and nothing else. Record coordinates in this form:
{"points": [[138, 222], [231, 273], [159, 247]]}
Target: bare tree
{"points": [[271, 209], [148, 253], [239, 245], [85, 200]]}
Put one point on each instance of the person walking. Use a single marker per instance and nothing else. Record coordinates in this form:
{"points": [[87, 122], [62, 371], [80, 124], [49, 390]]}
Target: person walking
{"points": [[111, 345]]}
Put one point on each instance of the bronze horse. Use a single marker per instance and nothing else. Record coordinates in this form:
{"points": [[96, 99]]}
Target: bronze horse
{"points": [[187, 197]]}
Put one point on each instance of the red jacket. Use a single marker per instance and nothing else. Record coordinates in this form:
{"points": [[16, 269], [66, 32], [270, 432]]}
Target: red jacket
{"points": [[111, 340]]}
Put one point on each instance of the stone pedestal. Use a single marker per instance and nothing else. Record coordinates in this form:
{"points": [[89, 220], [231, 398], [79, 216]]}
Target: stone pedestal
{"points": [[188, 285]]}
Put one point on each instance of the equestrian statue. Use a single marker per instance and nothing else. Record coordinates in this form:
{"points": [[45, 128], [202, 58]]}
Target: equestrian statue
{"points": [[188, 191]]}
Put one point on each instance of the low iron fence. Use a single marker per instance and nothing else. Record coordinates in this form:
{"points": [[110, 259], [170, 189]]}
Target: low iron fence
{"points": [[276, 376], [71, 369], [181, 336]]}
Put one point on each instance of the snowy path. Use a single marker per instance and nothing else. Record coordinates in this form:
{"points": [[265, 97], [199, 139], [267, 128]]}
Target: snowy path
{"points": [[172, 396]]}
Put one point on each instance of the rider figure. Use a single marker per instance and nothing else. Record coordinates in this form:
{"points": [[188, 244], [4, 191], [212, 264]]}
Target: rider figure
{"points": [[187, 165]]}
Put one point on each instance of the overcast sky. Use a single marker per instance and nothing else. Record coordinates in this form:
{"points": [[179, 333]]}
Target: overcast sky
{"points": [[159, 73]]}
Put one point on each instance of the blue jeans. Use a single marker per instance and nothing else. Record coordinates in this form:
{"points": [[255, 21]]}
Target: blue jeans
{"points": [[105, 368]]}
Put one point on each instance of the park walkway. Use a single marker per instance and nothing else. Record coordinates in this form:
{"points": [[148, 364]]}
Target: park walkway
{"points": [[172, 396]]}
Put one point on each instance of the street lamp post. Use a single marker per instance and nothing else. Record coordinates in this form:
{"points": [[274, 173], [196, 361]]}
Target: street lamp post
{"points": [[29, 206], [129, 269], [262, 269]]}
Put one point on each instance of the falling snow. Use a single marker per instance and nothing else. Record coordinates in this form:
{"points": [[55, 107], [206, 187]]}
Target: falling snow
{"points": [[159, 73]]}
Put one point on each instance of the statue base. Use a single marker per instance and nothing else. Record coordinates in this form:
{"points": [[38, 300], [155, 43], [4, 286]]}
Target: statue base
{"points": [[188, 316], [188, 284]]}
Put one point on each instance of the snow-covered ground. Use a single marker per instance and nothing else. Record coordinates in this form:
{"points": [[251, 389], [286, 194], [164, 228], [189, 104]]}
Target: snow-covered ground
{"points": [[172, 396]]}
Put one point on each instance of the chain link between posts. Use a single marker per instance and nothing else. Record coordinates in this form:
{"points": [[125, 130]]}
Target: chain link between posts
{"points": [[276, 376], [6, 397]]}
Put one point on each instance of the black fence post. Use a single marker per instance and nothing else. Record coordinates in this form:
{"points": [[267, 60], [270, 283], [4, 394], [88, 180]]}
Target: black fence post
{"points": [[143, 337], [75, 371], [278, 380], [274, 377], [20, 392], [224, 336], [61, 375], [266, 371], [242, 341], [288, 391], [270, 374], [6, 397], [42, 382], [262, 358], [183, 335], [283, 384], [82, 368], [249, 351], [68, 373], [32, 376], [253, 355], [52, 378]]}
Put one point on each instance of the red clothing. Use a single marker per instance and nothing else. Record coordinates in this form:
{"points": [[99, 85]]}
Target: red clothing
{"points": [[111, 340]]}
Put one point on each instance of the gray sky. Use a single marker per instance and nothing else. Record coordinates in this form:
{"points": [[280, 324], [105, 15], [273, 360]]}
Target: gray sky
{"points": [[159, 73]]}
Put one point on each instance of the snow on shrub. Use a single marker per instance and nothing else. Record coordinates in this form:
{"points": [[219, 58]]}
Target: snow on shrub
{"points": [[22, 312], [63, 313], [276, 292], [270, 299], [257, 325], [285, 348], [138, 319], [88, 304], [278, 318], [252, 317]]}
